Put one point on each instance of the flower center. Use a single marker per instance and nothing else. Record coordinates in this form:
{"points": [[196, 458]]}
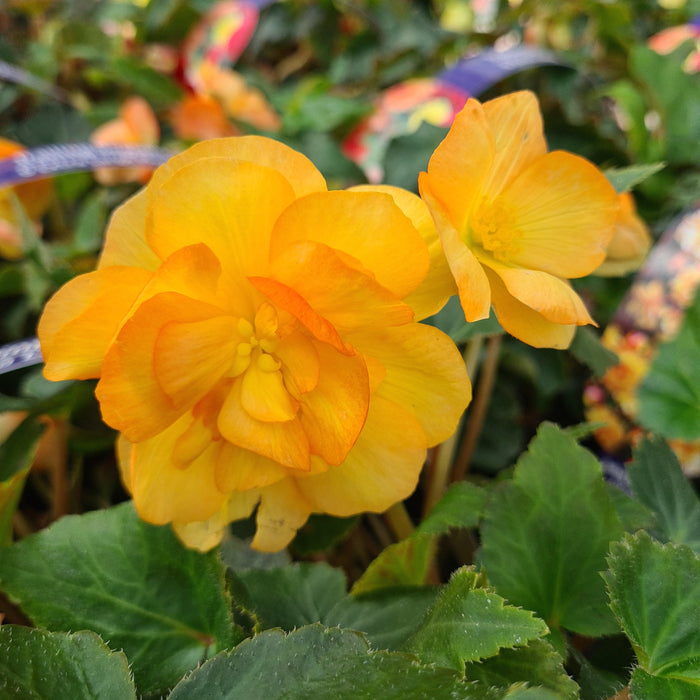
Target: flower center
{"points": [[259, 341], [494, 227]]}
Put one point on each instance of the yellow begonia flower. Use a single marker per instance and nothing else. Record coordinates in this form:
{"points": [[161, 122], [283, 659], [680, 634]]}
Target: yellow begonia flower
{"points": [[517, 222], [256, 341], [630, 243]]}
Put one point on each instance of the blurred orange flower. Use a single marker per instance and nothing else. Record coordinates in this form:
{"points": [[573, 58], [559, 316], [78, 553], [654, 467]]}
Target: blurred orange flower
{"points": [[516, 221], [34, 197], [200, 117], [136, 125], [256, 343], [630, 243]]}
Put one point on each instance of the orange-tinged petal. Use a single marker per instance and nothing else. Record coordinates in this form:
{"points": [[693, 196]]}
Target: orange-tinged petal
{"points": [[164, 493], [288, 299], [131, 398], [367, 226], [472, 284], [231, 205], [301, 173], [204, 535], [81, 319], [190, 357], [439, 285], [285, 442], [300, 363], [524, 323], [381, 469], [333, 414], [424, 373], [283, 510], [549, 296], [263, 394], [125, 240], [239, 470], [516, 124], [348, 298], [563, 210], [460, 165]]}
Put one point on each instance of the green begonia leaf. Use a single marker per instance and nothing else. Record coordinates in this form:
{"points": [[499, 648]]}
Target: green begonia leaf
{"points": [[405, 563], [468, 623], [132, 583], [646, 687], [669, 396], [315, 662], [659, 483], [654, 592], [546, 533], [39, 664], [537, 664], [624, 179], [387, 617], [461, 506], [289, 597], [588, 350]]}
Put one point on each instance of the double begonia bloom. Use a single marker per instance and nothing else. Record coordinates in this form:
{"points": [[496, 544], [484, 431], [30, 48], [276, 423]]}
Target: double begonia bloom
{"points": [[256, 343], [517, 222]]}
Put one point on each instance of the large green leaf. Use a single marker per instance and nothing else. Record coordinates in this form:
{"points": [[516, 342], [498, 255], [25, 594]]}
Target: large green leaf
{"points": [[461, 506], [654, 592], [537, 664], [669, 396], [291, 596], [468, 623], [658, 481], [546, 533], [132, 583], [315, 662], [39, 664], [646, 687], [387, 617]]}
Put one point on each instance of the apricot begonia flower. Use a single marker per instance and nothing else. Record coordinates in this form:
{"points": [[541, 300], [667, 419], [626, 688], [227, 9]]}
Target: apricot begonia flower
{"points": [[34, 197], [256, 341], [630, 243], [136, 125], [517, 222]]}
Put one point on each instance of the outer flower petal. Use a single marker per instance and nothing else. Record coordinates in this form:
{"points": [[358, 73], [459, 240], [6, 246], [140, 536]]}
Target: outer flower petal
{"points": [[380, 470], [334, 413], [458, 167], [232, 205], [131, 398], [472, 284], [439, 285], [240, 470], [382, 239], [424, 373], [81, 319], [285, 443], [204, 535], [565, 210], [163, 493], [516, 124], [546, 294], [524, 323], [301, 173], [125, 240], [283, 510], [347, 298]]}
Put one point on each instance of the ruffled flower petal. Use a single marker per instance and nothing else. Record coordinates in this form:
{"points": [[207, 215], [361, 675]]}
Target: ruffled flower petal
{"points": [[240, 470], [283, 510], [381, 239], [81, 319]]}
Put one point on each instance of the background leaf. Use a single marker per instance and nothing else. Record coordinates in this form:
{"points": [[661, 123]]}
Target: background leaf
{"points": [[132, 583], [546, 534], [657, 480], [39, 664], [460, 507]]}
